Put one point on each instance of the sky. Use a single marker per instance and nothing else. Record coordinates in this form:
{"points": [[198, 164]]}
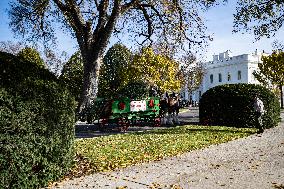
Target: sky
{"points": [[219, 21]]}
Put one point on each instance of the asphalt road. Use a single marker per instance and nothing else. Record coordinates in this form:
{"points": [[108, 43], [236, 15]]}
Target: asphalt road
{"points": [[83, 130]]}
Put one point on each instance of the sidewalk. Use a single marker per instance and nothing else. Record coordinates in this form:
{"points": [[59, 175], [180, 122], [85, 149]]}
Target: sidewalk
{"points": [[253, 162]]}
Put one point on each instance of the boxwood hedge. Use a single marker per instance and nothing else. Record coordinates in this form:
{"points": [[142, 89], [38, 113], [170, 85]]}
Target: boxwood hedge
{"points": [[36, 125], [232, 105]]}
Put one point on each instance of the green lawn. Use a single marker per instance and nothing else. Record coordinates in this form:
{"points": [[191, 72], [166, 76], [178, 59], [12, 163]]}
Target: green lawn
{"points": [[122, 150]]}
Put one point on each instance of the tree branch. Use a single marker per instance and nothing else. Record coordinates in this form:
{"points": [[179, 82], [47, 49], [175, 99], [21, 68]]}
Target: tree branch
{"points": [[129, 5], [80, 2], [149, 22], [113, 17], [60, 5], [74, 18], [75, 14], [102, 18], [96, 3], [155, 10]]}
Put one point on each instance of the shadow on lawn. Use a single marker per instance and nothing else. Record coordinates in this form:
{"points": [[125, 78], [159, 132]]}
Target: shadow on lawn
{"points": [[206, 129], [90, 131]]}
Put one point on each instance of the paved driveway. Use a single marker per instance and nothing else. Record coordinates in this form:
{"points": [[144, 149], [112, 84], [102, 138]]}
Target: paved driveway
{"points": [[83, 130]]}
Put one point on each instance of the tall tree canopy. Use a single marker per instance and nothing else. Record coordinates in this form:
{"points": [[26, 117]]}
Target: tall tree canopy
{"points": [[53, 59], [272, 71], [92, 23], [72, 74], [114, 75], [263, 17], [31, 55], [191, 71], [156, 70]]}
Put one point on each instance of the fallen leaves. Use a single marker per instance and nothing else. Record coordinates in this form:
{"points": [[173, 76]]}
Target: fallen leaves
{"points": [[82, 167], [119, 151], [121, 187]]}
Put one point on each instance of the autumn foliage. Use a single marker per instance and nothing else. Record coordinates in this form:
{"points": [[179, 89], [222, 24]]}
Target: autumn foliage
{"points": [[123, 72], [156, 70], [271, 72]]}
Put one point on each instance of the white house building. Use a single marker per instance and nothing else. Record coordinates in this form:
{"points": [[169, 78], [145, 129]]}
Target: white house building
{"points": [[226, 69]]}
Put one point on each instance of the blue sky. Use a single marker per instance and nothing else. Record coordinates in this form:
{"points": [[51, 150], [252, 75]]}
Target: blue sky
{"points": [[219, 21]]}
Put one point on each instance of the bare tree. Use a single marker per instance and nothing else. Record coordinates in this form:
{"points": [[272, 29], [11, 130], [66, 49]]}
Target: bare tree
{"points": [[192, 71], [11, 47], [93, 22], [55, 60]]}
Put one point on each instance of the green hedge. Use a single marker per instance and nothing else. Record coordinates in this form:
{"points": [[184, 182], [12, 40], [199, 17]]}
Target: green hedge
{"points": [[232, 105], [36, 125]]}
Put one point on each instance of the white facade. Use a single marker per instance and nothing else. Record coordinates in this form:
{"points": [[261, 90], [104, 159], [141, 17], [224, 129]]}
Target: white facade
{"points": [[225, 69]]}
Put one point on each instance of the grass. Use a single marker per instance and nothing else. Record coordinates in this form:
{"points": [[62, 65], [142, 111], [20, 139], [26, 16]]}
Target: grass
{"points": [[183, 110], [122, 150]]}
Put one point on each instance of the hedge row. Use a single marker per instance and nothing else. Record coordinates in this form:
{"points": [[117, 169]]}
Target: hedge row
{"points": [[36, 125], [232, 105]]}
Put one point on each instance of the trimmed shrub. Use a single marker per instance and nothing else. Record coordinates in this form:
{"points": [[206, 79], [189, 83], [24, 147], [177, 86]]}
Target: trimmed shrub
{"points": [[36, 125], [232, 105]]}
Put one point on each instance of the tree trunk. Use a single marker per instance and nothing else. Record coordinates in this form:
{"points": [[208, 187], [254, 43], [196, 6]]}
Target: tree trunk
{"points": [[92, 62], [92, 51], [281, 96]]}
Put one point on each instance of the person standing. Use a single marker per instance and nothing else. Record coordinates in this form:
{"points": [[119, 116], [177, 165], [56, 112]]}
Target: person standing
{"points": [[259, 111]]}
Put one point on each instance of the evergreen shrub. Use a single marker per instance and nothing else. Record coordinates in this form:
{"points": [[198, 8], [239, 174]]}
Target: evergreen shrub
{"points": [[233, 105], [36, 125], [135, 90]]}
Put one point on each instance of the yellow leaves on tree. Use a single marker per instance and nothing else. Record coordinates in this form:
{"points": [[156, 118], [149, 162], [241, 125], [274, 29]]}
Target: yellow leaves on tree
{"points": [[156, 70], [271, 70], [31, 55]]}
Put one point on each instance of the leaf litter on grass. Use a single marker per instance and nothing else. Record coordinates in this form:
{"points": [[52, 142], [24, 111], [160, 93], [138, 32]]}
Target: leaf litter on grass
{"points": [[118, 151]]}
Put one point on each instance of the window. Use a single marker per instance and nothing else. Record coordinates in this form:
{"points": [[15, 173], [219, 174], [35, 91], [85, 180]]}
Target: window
{"points": [[253, 77], [211, 78], [229, 77], [220, 77], [239, 75]]}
